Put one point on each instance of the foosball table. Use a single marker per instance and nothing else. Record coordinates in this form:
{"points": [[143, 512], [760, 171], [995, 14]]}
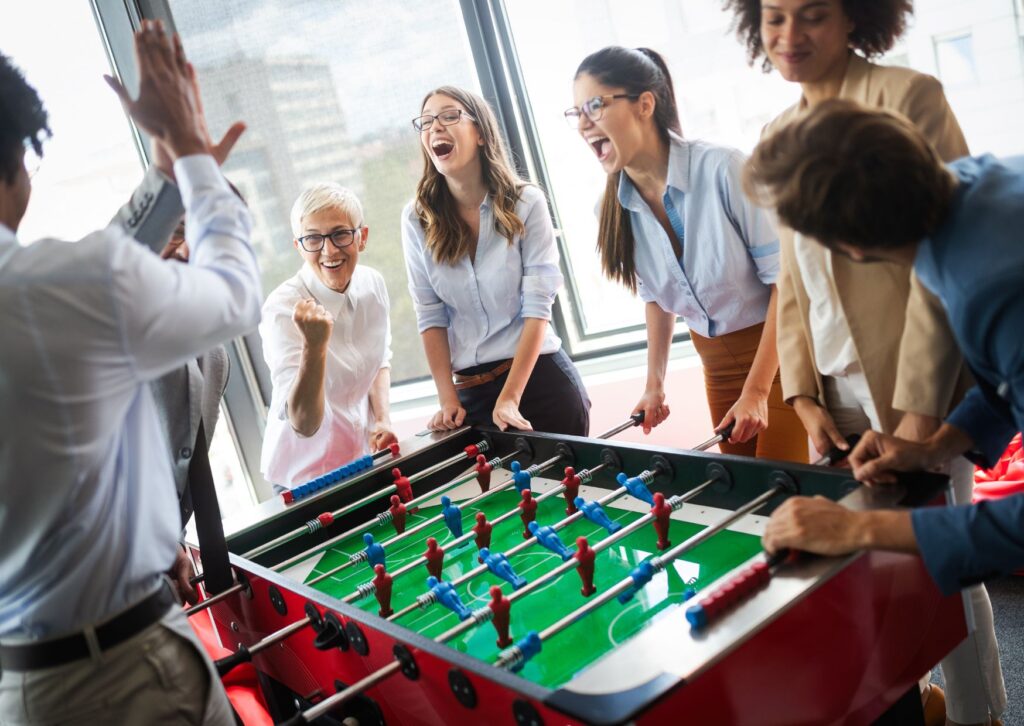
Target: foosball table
{"points": [[496, 577]]}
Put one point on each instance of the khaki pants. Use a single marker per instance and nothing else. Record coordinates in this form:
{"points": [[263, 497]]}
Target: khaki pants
{"points": [[974, 678], [727, 360], [160, 676]]}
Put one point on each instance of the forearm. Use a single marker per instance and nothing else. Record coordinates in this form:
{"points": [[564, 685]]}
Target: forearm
{"points": [[439, 359], [660, 326], [380, 396], [527, 351], [948, 443], [766, 360], [306, 399], [890, 530]]}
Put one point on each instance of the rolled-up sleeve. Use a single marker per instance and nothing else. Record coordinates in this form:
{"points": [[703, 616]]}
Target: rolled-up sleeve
{"points": [[753, 223], [542, 278], [431, 311]]}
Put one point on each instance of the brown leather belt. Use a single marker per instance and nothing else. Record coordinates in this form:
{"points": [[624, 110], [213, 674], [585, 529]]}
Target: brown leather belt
{"points": [[462, 382]]}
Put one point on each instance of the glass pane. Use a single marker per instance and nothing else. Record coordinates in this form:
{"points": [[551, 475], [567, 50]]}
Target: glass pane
{"points": [[91, 164], [328, 91], [233, 490], [721, 99]]}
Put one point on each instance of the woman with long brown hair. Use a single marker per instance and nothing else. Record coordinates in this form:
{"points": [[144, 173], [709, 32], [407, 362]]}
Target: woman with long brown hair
{"points": [[865, 346], [676, 228], [483, 273]]}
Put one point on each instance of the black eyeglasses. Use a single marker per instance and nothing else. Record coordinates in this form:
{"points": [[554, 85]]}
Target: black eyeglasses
{"points": [[593, 108], [340, 238], [445, 118]]}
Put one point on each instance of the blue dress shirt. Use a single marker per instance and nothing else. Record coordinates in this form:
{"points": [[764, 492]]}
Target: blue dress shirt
{"points": [[484, 303], [88, 509], [730, 257], [975, 265]]}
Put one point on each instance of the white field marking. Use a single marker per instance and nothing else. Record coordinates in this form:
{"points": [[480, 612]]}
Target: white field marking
{"points": [[611, 625]]}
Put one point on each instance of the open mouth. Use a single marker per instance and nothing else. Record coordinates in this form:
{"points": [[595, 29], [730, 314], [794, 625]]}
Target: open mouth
{"points": [[332, 264], [442, 149], [601, 145]]}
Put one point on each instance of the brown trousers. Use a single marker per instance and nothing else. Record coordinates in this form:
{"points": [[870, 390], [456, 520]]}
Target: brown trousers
{"points": [[727, 360]]}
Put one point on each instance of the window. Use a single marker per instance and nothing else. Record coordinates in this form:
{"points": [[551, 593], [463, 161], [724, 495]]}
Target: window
{"points": [[91, 165], [955, 58], [328, 95], [721, 99]]}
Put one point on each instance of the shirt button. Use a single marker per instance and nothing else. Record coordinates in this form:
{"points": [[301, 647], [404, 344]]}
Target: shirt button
{"points": [[185, 453], [1003, 390]]}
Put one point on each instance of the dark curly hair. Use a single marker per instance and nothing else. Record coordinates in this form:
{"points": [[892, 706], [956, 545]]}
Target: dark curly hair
{"points": [[877, 25], [22, 119]]}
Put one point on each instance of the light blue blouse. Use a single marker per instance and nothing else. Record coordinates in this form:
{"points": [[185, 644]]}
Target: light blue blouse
{"points": [[483, 303], [730, 248]]}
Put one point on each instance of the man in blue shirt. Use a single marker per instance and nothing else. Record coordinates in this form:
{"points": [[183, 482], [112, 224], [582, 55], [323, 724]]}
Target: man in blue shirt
{"points": [[868, 185]]}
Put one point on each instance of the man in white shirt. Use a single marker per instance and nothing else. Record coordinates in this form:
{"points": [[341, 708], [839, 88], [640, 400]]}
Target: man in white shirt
{"points": [[88, 630], [327, 341]]}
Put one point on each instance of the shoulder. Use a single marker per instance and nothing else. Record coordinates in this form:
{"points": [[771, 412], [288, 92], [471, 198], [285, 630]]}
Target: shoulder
{"points": [[371, 280], [409, 214], [781, 120], [902, 89], [721, 162], [532, 195]]}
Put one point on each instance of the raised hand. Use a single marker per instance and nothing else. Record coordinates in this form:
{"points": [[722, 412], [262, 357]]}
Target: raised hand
{"points": [[314, 323], [167, 107]]}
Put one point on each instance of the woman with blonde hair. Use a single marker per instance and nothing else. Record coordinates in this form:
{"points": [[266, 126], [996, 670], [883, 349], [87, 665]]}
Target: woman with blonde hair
{"points": [[483, 273]]}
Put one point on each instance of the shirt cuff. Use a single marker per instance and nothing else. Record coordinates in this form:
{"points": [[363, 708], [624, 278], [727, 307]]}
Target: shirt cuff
{"points": [[988, 427], [434, 315], [197, 171]]}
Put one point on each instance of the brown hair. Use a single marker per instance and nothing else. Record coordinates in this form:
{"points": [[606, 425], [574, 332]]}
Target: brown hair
{"points": [[877, 24], [846, 173], [637, 71], [447, 237]]}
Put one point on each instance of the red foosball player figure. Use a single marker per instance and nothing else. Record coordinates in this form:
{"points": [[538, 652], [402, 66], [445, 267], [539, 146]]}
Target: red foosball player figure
{"points": [[435, 557], [572, 489], [527, 512], [482, 530], [403, 485], [382, 590], [662, 512], [585, 558], [501, 606], [397, 510], [483, 472]]}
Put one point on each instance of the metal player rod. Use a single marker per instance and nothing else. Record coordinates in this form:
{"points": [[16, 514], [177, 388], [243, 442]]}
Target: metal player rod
{"points": [[245, 653], [368, 588], [357, 557], [511, 656], [211, 601], [551, 575], [331, 702], [384, 517], [634, 420], [314, 525]]}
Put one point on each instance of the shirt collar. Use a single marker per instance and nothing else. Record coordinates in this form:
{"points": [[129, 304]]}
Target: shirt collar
{"points": [[333, 300], [6, 235], [677, 177]]}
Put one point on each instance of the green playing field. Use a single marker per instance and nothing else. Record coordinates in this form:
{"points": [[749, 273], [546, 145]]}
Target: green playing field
{"points": [[582, 643]]}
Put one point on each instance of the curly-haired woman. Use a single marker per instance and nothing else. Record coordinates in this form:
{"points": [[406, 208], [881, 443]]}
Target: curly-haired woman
{"points": [[850, 358], [483, 272]]}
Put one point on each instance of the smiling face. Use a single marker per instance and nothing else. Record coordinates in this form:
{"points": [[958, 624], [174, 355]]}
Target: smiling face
{"points": [[332, 266], [453, 149], [624, 125], [806, 40]]}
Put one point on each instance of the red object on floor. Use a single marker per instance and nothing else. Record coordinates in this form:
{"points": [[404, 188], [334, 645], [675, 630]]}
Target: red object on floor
{"points": [[1003, 479], [241, 685]]}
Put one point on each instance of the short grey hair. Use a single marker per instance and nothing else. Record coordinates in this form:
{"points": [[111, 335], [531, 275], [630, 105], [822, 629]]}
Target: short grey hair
{"points": [[325, 195]]}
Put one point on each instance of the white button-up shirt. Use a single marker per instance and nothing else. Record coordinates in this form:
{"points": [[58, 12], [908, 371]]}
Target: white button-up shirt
{"points": [[722, 282], [484, 303], [359, 347], [88, 509], [834, 351]]}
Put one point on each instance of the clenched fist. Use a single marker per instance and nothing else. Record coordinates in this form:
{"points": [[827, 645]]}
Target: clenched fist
{"points": [[314, 322]]}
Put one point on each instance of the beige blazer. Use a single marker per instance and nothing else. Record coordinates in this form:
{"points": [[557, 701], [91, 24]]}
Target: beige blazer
{"points": [[903, 340]]}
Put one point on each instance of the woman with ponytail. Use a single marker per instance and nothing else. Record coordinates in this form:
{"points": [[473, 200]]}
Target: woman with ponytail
{"points": [[676, 228], [483, 273]]}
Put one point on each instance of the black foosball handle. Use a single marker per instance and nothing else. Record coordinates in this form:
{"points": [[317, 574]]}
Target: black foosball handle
{"points": [[229, 662], [835, 455]]}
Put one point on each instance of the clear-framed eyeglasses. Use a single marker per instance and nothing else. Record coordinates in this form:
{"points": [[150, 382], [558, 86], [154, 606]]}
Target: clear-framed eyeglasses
{"points": [[593, 108], [445, 118], [340, 238]]}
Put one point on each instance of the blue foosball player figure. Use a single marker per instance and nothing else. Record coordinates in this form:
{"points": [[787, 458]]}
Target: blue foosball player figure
{"points": [[521, 478], [374, 551], [549, 539], [452, 516], [594, 512], [446, 595], [499, 565]]}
